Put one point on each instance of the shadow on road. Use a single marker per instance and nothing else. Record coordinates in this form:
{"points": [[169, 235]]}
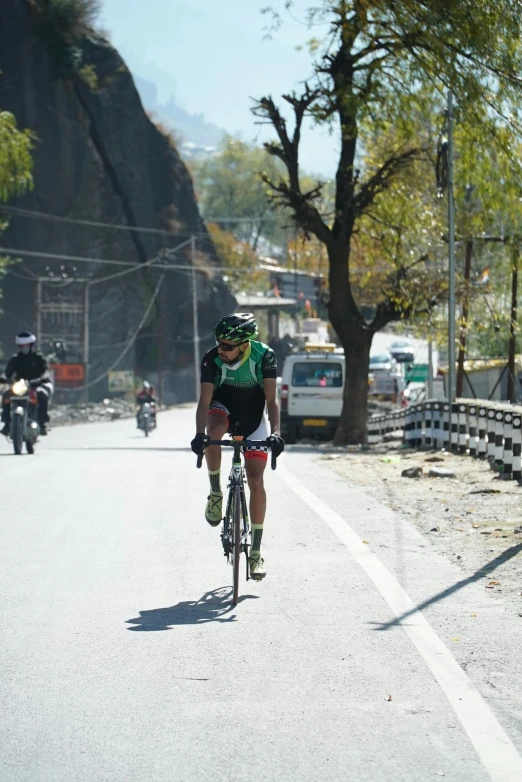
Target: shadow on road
{"points": [[211, 607], [484, 571]]}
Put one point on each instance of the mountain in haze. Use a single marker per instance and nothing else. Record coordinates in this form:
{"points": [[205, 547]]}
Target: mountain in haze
{"points": [[192, 128]]}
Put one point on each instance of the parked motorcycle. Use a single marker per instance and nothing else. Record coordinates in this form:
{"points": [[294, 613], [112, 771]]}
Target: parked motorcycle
{"points": [[24, 416], [146, 420]]}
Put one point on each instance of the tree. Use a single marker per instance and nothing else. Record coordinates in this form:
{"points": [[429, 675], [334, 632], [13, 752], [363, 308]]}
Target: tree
{"points": [[371, 71], [15, 158], [15, 165], [230, 189], [239, 261]]}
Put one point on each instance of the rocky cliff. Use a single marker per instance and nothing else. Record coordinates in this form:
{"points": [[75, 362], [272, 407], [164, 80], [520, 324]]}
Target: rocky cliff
{"points": [[100, 159]]}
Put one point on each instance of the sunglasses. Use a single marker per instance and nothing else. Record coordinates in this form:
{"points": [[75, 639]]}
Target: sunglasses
{"points": [[227, 348]]}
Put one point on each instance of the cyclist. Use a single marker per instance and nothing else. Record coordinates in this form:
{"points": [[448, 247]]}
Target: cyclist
{"points": [[238, 381]]}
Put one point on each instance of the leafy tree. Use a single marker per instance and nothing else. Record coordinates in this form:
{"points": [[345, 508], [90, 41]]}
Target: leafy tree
{"points": [[230, 189], [15, 158], [380, 67], [239, 261], [15, 165]]}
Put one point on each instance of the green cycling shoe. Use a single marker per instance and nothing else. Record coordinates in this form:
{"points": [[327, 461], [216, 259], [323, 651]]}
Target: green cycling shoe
{"points": [[214, 509]]}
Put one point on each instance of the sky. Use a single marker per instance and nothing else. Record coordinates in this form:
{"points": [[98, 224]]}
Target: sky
{"points": [[211, 56]]}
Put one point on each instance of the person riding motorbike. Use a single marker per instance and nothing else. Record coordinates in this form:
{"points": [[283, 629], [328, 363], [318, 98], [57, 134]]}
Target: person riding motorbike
{"points": [[28, 364], [146, 395]]}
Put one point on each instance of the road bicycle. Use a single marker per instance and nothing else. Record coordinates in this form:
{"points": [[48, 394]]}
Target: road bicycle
{"points": [[235, 533]]}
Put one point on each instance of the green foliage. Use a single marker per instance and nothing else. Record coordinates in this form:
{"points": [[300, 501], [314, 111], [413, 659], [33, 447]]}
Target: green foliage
{"points": [[15, 158], [380, 77], [15, 167], [238, 260], [89, 76], [381, 73], [229, 187]]}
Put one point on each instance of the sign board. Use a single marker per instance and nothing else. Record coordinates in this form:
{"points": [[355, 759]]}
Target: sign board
{"points": [[417, 374], [121, 381], [68, 375]]}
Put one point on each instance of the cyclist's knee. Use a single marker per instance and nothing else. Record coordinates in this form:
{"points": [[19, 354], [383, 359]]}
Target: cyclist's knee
{"points": [[255, 482], [216, 429], [217, 426]]}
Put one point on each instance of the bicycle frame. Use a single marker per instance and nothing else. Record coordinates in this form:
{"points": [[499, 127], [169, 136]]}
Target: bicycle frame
{"points": [[236, 524]]}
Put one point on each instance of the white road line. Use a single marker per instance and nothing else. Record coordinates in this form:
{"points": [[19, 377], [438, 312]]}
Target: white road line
{"points": [[495, 749]]}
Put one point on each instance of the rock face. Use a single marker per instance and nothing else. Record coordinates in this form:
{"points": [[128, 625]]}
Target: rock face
{"points": [[99, 158]]}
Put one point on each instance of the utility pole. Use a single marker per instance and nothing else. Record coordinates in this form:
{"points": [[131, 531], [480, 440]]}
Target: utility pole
{"points": [[195, 320], [160, 347], [38, 314], [430, 365], [86, 337], [452, 285], [511, 391], [464, 319]]}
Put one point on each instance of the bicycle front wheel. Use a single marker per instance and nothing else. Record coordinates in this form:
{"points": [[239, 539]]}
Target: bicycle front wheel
{"points": [[236, 542]]}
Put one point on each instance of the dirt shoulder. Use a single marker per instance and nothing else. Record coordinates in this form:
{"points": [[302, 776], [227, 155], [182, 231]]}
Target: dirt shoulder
{"points": [[475, 518]]}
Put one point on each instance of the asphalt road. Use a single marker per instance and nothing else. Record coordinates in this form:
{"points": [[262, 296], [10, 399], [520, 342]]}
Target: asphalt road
{"points": [[121, 658]]}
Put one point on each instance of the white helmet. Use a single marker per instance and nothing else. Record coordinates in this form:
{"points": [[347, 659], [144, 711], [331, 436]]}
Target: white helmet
{"points": [[25, 338]]}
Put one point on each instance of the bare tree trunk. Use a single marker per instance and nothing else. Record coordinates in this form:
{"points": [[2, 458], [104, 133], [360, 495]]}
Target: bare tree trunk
{"points": [[352, 425], [356, 339]]}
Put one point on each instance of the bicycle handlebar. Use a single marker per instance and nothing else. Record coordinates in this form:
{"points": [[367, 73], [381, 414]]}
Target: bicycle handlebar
{"points": [[242, 444]]}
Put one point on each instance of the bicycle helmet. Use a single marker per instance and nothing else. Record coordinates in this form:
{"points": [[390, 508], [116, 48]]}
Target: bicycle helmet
{"points": [[239, 327], [25, 338]]}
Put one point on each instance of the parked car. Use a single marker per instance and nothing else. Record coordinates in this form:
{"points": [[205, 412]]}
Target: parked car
{"points": [[382, 362], [402, 351], [311, 393]]}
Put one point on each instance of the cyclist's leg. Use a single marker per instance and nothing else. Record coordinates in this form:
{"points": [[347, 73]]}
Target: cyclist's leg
{"points": [[255, 461], [217, 426]]}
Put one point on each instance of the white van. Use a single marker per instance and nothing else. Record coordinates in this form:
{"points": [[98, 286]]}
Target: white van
{"points": [[312, 385]]}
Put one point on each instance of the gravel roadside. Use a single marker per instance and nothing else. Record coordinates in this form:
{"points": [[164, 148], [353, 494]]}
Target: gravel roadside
{"points": [[474, 518]]}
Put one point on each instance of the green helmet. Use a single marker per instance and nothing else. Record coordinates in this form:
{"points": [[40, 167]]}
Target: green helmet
{"points": [[239, 327]]}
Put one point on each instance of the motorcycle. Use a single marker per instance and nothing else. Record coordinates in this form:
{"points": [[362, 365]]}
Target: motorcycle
{"points": [[146, 420], [24, 416]]}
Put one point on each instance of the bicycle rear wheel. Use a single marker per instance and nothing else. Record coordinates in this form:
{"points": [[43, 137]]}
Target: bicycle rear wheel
{"points": [[236, 542]]}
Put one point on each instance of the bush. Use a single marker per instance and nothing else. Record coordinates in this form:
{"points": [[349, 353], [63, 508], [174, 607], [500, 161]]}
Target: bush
{"points": [[62, 22], [68, 19], [89, 76]]}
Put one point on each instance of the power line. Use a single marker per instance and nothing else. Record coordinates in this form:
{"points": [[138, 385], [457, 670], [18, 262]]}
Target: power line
{"points": [[109, 261], [157, 262], [31, 213], [130, 342], [177, 341]]}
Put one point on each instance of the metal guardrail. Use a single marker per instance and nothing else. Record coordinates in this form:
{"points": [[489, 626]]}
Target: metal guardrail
{"points": [[484, 429]]}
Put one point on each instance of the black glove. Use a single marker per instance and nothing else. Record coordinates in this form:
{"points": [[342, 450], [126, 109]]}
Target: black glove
{"points": [[277, 444], [199, 442]]}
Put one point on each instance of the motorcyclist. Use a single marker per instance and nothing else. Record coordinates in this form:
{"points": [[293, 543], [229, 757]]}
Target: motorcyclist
{"points": [[28, 364], [146, 395]]}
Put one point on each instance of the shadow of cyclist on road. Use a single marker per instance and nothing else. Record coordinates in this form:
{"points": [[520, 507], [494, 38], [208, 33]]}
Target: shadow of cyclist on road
{"points": [[211, 607]]}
